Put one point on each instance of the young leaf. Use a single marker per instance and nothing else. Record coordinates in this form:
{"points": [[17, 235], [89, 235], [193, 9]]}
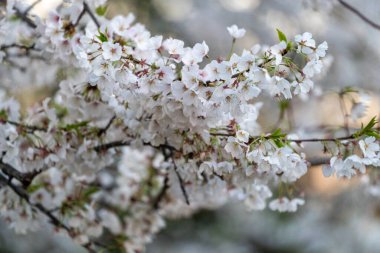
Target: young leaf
{"points": [[368, 129], [281, 36], [102, 37], [101, 10]]}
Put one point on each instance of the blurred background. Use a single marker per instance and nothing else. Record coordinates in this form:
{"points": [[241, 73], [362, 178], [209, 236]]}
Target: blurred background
{"points": [[339, 216]]}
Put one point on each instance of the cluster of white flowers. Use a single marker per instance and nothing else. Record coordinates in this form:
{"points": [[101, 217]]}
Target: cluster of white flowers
{"points": [[369, 150], [190, 126]]}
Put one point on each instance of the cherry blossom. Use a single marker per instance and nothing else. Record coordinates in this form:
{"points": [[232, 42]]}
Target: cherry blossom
{"points": [[145, 128], [236, 32]]}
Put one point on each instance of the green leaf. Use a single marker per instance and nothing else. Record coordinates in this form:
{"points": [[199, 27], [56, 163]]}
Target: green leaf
{"points": [[283, 104], [102, 37], [281, 36], [368, 130], [89, 191], [101, 10], [289, 46], [348, 89], [277, 134], [75, 126], [3, 115], [374, 134], [34, 187], [279, 143], [60, 110]]}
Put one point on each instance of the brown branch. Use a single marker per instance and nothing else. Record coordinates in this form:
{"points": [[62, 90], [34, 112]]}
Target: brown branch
{"points": [[359, 14], [162, 193], [117, 144], [268, 136], [23, 194], [32, 47], [345, 113], [114, 144], [104, 130], [32, 6], [24, 178], [316, 161], [180, 180], [80, 17], [24, 17], [344, 138], [92, 15], [27, 127]]}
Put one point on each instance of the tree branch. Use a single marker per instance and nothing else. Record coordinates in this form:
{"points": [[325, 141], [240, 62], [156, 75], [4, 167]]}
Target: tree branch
{"points": [[344, 138], [92, 15], [24, 178], [180, 180], [318, 161], [18, 46], [23, 194], [104, 130], [27, 127], [359, 14], [24, 17], [116, 144], [162, 193], [32, 6]]}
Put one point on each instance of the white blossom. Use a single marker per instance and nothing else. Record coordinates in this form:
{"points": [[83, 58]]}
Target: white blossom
{"points": [[111, 51], [236, 32]]}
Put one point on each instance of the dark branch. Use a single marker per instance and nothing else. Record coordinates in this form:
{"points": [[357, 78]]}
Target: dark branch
{"points": [[318, 161], [32, 47], [80, 17], [24, 17], [359, 14], [161, 194], [344, 138], [104, 130], [114, 144], [92, 15], [180, 180], [117, 144], [24, 195], [27, 127], [32, 6], [24, 178]]}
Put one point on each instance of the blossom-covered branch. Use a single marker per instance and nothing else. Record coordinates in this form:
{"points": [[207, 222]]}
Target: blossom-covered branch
{"points": [[142, 128]]}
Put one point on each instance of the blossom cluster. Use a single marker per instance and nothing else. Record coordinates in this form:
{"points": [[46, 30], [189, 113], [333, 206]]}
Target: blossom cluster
{"points": [[142, 128]]}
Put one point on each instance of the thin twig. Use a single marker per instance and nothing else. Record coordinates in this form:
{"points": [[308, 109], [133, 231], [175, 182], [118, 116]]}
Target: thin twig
{"points": [[117, 144], [32, 47], [344, 138], [180, 180], [114, 144], [104, 130], [24, 178], [24, 17], [31, 6], [80, 17], [359, 14], [316, 161], [88, 10], [23, 194], [161, 194], [345, 113], [28, 127]]}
